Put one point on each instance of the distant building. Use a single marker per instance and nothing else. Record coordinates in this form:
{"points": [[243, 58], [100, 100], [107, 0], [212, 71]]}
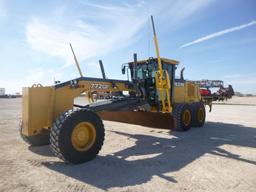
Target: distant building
{"points": [[2, 91]]}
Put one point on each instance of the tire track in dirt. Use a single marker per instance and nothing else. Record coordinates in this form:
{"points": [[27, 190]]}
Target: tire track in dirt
{"points": [[76, 188]]}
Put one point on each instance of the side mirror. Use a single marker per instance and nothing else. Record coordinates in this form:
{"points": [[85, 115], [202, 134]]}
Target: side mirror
{"points": [[123, 70]]}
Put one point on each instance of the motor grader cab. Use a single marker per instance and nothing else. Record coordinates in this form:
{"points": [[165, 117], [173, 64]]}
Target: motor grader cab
{"points": [[144, 75], [76, 132]]}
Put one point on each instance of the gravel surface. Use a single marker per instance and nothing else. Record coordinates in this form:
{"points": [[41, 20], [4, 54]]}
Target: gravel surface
{"points": [[221, 156]]}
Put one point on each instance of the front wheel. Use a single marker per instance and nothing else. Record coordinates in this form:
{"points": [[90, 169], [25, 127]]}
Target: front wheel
{"points": [[77, 136]]}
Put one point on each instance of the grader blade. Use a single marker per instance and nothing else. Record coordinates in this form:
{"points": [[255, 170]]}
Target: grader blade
{"points": [[148, 119]]}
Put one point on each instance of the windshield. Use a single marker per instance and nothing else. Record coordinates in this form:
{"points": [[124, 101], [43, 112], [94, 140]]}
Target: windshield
{"points": [[148, 70]]}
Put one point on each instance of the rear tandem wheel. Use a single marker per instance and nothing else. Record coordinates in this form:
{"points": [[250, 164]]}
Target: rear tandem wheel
{"points": [[182, 115], [198, 114]]}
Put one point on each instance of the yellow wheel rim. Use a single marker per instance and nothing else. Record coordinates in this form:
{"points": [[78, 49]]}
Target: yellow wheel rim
{"points": [[83, 136], [186, 117], [200, 115]]}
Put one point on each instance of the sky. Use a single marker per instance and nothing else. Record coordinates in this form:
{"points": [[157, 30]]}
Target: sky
{"points": [[212, 39]]}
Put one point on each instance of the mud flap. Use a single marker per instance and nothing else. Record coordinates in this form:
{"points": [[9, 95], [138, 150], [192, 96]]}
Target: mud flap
{"points": [[148, 119]]}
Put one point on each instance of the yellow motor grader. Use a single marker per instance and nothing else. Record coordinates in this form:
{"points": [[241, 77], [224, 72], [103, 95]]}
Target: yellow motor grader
{"points": [[76, 132]]}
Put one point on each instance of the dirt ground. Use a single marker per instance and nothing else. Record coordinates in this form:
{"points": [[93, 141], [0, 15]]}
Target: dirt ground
{"points": [[221, 156]]}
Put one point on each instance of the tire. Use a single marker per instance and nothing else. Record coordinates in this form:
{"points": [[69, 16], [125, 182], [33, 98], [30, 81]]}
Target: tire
{"points": [[36, 140], [64, 146], [178, 113], [198, 114]]}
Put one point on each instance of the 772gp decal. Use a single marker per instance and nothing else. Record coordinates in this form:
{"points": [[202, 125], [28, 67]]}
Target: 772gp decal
{"points": [[99, 86]]}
